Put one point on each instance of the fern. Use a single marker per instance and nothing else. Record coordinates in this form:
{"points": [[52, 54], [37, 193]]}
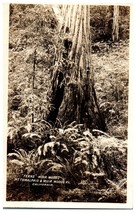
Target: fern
{"points": [[23, 159], [57, 168], [17, 162], [72, 124], [46, 162], [31, 135], [70, 130], [101, 132], [58, 123], [22, 152], [118, 187], [122, 183], [13, 155]]}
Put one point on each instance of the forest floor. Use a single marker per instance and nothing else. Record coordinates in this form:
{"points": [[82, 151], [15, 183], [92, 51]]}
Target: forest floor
{"points": [[105, 179]]}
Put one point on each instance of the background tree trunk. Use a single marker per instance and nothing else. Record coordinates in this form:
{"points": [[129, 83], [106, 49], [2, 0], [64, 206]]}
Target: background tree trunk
{"points": [[115, 29], [74, 97]]}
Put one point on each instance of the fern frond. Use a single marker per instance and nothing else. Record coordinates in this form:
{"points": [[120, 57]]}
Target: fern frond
{"points": [[122, 183], [44, 162], [72, 124], [13, 155], [59, 123], [70, 130], [40, 150], [101, 132], [48, 125], [55, 168], [17, 162], [80, 125], [23, 152], [31, 135], [111, 184], [21, 157]]}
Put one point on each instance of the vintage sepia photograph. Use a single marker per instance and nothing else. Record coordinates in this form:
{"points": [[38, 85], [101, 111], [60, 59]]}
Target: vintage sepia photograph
{"points": [[67, 119]]}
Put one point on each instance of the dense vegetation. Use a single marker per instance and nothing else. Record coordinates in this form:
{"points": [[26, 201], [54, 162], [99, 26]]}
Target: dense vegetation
{"points": [[85, 165]]}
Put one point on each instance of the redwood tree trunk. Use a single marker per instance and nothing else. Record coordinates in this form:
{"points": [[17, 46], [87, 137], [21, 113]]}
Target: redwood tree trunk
{"points": [[73, 93]]}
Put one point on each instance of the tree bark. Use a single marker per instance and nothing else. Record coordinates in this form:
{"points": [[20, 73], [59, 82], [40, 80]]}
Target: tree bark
{"points": [[115, 29], [74, 97]]}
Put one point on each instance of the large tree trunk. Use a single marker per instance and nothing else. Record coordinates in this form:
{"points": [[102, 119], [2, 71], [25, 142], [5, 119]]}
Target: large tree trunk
{"points": [[115, 28], [73, 93]]}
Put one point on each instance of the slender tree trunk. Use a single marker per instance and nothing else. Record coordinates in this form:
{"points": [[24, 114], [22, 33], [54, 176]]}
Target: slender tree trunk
{"points": [[115, 29], [33, 83]]}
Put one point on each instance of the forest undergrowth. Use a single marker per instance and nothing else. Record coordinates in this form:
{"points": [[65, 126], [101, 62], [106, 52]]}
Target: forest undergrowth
{"points": [[90, 166], [82, 167], [111, 70]]}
